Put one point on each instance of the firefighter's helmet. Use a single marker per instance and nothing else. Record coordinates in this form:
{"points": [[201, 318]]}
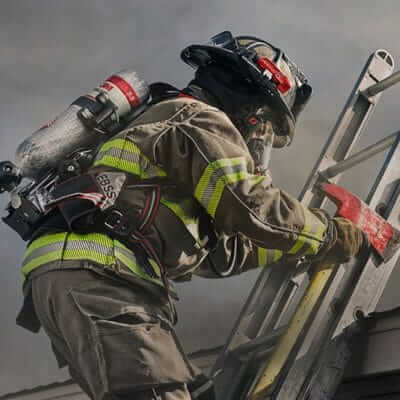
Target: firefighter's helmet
{"points": [[279, 83]]}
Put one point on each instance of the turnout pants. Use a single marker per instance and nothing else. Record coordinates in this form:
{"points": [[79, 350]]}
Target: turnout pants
{"points": [[116, 338]]}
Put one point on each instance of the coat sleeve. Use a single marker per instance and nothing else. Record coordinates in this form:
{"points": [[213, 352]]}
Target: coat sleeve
{"points": [[237, 254], [208, 157]]}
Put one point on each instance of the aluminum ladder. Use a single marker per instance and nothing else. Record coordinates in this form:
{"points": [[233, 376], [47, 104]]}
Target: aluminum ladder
{"points": [[293, 336]]}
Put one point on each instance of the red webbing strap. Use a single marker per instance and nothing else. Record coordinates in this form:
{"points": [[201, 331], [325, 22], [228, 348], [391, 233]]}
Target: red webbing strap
{"points": [[147, 217]]}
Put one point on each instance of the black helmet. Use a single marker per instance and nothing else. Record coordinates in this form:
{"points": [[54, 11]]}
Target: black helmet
{"points": [[279, 83]]}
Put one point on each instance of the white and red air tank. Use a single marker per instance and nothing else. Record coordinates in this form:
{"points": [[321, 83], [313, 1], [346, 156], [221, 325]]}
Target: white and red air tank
{"points": [[52, 143]]}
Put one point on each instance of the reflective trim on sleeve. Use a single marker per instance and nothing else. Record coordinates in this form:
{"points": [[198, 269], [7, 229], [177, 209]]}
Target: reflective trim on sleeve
{"points": [[216, 176], [124, 155], [311, 237], [268, 256]]}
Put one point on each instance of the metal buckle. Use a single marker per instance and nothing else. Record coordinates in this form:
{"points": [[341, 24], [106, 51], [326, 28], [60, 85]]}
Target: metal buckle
{"points": [[114, 220], [102, 120]]}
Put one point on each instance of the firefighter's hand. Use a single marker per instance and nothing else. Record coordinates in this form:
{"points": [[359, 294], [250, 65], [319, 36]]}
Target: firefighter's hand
{"points": [[347, 240]]}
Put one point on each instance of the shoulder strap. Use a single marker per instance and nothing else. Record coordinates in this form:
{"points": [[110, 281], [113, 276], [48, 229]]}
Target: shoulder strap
{"points": [[160, 91]]}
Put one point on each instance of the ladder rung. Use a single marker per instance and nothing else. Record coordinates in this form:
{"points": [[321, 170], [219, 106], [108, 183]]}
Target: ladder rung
{"points": [[265, 342]]}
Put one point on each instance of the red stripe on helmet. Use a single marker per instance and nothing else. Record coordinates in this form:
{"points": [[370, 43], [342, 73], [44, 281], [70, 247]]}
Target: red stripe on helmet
{"points": [[278, 77], [127, 90]]}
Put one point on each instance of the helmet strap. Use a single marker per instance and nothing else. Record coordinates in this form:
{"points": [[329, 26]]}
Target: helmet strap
{"points": [[201, 94]]}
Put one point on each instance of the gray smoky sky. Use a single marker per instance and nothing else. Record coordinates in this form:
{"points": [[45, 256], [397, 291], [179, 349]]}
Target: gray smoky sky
{"points": [[53, 51]]}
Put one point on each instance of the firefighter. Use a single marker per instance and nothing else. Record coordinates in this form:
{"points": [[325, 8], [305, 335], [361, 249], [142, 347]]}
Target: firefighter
{"points": [[183, 190]]}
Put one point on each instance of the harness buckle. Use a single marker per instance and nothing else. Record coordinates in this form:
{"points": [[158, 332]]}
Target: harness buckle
{"points": [[117, 222]]}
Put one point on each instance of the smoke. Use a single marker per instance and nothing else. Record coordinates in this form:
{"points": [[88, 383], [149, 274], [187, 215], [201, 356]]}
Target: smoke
{"points": [[51, 52]]}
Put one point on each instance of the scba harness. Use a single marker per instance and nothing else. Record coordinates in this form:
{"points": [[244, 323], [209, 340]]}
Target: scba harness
{"points": [[66, 146], [90, 202], [96, 118]]}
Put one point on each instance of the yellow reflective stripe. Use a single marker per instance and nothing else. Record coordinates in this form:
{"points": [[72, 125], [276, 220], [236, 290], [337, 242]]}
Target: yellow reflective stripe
{"points": [[60, 237], [155, 267], [98, 248], [205, 187], [219, 174], [220, 186], [301, 241], [262, 257], [315, 245], [118, 245], [140, 272], [211, 169], [318, 230], [53, 247], [268, 256], [68, 255], [124, 145], [187, 212], [44, 241], [311, 235], [216, 176], [277, 255], [119, 163], [126, 156], [179, 211], [39, 261], [117, 143], [137, 269]]}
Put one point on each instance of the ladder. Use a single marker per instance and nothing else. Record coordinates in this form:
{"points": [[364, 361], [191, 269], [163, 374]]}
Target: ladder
{"points": [[293, 336]]}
